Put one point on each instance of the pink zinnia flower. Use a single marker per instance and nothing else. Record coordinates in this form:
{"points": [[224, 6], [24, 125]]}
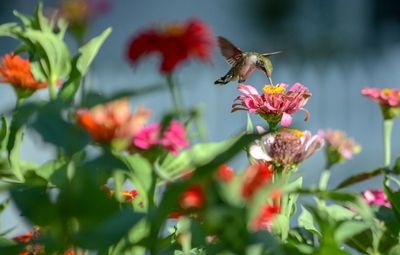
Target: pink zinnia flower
{"points": [[175, 43], [173, 139], [275, 105], [376, 197], [339, 146], [286, 148], [388, 99]]}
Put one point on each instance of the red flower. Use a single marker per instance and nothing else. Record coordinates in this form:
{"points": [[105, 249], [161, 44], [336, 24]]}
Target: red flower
{"points": [[256, 176], [130, 195], [25, 238], [192, 198], [225, 173], [17, 72], [174, 42], [264, 220]]}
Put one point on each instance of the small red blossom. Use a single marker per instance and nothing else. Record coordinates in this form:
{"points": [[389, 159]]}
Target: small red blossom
{"points": [[174, 42], [25, 238], [17, 72], [225, 173], [192, 198], [256, 176], [264, 220], [130, 195]]}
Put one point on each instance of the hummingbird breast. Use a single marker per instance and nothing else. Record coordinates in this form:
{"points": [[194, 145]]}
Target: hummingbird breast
{"points": [[248, 67]]}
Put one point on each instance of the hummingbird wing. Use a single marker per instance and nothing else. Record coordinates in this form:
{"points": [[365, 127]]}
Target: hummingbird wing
{"points": [[271, 53], [231, 53]]}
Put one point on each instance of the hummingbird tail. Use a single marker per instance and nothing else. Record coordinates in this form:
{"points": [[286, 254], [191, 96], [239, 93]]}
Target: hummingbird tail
{"points": [[221, 81]]}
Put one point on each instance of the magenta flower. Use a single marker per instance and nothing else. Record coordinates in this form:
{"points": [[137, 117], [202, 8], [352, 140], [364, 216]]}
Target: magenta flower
{"points": [[376, 197], [274, 105], [339, 146], [388, 99], [173, 139], [286, 148]]}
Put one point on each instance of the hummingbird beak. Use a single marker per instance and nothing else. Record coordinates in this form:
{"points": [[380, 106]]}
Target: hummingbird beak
{"points": [[270, 81]]}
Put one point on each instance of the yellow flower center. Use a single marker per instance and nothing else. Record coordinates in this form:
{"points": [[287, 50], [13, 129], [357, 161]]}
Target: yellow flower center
{"points": [[387, 92], [174, 30], [271, 89], [293, 131]]}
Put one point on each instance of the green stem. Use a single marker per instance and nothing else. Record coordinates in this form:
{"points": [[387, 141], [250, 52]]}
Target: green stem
{"points": [[387, 133], [324, 179], [174, 94], [53, 90], [20, 102]]}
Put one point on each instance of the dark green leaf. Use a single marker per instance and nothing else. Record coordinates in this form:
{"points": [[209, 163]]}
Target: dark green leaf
{"points": [[3, 133], [306, 220], [361, 177], [396, 168]]}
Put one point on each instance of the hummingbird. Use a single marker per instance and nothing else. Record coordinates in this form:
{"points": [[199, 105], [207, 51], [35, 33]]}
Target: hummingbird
{"points": [[243, 63]]}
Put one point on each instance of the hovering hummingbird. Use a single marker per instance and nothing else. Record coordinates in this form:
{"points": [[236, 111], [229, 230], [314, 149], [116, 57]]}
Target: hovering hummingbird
{"points": [[243, 63]]}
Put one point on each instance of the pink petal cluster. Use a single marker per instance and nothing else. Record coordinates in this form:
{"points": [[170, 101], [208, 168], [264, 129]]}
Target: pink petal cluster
{"points": [[387, 97], [274, 103], [337, 140], [376, 197], [286, 148], [173, 139]]}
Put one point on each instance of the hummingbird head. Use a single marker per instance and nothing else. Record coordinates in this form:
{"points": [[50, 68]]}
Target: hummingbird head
{"points": [[264, 64]]}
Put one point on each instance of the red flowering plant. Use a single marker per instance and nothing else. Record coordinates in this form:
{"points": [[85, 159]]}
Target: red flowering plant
{"points": [[120, 182]]}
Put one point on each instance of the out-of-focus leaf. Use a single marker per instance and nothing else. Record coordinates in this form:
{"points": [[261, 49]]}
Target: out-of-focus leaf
{"points": [[250, 126], [362, 177], [395, 250], [306, 220], [108, 231], [81, 64], [172, 166], [394, 198], [8, 29], [3, 133], [348, 229], [281, 226], [396, 168]]}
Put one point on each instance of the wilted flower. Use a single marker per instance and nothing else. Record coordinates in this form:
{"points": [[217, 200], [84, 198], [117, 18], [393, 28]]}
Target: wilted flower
{"points": [[388, 99], [174, 42], [173, 139], [339, 147], [112, 121], [17, 72], [275, 105], [375, 197], [255, 177], [286, 148], [263, 221], [192, 198]]}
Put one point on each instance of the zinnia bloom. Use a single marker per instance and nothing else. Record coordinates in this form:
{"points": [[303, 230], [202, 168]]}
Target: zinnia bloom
{"points": [[192, 198], [112, 121], [255, 177], [17, 72], [175, 43], [286, 148], [173, 139], [263, 221], [275, 105], [376, 197], [339, 146], [388, 99]]}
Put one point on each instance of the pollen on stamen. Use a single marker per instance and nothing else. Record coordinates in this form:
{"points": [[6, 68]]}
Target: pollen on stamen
{"points": [[271, 89]]}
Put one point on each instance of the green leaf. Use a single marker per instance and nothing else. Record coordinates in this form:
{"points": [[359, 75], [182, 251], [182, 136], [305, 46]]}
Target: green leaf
{"points": [[362, 177], [250, 126], [3, 133], [348, 229], [306, 220], [172, 166], [281, 226], [396, 168], [394, 198], [8, 29]]}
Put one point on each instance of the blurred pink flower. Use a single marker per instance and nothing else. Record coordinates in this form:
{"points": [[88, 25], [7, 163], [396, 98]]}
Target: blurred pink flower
{"points": [[388, 97], [339, 146], [286, 148], [274, 105], [375, 197], [173, 139]]}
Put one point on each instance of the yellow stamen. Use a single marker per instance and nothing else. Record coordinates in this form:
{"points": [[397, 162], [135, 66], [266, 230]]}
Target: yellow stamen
{"points": [[293, 131], [387, 92], [271, 89], [174, 29]]}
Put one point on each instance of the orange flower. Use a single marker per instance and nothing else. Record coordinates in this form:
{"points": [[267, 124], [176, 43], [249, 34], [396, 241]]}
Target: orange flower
{"points": [[256, 176], [112, 121], [225, 173], [17, 72], [192, 198]]}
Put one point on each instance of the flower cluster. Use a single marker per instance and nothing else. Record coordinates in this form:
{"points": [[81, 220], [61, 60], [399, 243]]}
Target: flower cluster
{"points": [[115, 120], [17, 71], [375, 197], [275, 105], [174, 42], [339, 147], [286, 148]]}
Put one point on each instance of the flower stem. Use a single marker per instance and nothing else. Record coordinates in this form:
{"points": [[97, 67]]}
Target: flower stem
{"points": [[387, 133], [53, 90], [174, 94], [324, 179]]}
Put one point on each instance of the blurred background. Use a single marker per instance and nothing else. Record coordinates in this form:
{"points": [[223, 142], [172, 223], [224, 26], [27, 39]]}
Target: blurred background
{"points": [[334, 47]]}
